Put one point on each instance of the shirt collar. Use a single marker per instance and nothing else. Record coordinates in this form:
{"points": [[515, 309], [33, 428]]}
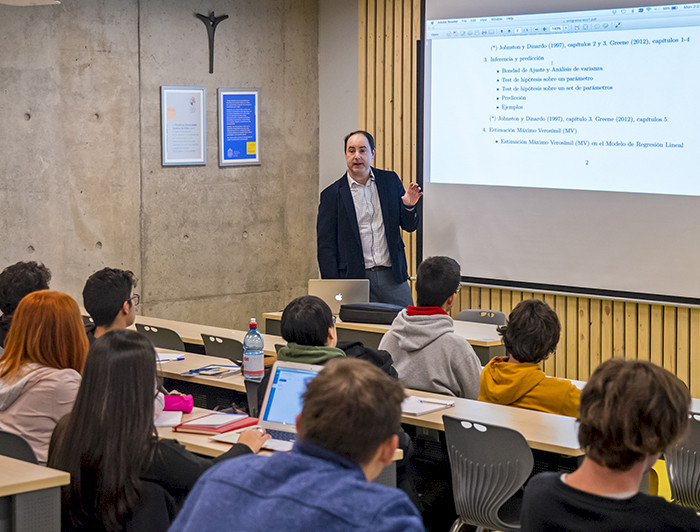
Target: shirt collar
{"points": [[310, 449], [354, 183]]}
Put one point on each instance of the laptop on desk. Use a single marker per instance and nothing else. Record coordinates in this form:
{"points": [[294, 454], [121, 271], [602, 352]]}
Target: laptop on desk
{"points": [[336, 292], [283, 402]]}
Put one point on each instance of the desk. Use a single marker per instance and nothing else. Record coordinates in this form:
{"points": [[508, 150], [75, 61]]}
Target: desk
{"points": [[544, 431], [483, 337], [30, 496], [202, 444], [173, 369], [191, 333], [547, 432]]}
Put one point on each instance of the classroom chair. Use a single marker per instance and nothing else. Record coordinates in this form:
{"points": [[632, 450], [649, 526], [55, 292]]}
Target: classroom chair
{"points": [[218, 346], [489, 466], [683, 466], [162, 337], [15, 446], [477, 315]]}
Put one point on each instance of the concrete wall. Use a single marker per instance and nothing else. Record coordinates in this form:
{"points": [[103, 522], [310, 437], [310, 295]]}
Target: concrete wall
{"points": [[81, 181], [338, 84]]}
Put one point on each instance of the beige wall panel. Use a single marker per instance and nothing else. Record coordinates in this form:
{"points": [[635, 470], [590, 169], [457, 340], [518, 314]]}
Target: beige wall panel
{"points": [[643, 331], [656, 339], [669, 338]]}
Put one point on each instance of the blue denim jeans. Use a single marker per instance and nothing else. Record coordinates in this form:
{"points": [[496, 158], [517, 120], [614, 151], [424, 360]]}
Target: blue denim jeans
{"points": [[383, 288]]}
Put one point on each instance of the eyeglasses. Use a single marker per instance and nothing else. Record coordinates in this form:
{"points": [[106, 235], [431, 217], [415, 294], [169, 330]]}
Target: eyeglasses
{"points": [[459, 287], [135, 298], [335, 319]]}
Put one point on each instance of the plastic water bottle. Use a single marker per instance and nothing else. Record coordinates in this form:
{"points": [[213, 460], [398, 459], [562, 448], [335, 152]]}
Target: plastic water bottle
{"points": [[253, 356]]}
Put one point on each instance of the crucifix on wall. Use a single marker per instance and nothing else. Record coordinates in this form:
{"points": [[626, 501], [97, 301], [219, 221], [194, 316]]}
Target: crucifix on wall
{"points": [[211, 22]]}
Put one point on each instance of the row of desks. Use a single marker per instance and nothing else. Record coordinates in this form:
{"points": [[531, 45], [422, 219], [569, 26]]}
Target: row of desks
{"points": [[548, 432], [483, 337]]}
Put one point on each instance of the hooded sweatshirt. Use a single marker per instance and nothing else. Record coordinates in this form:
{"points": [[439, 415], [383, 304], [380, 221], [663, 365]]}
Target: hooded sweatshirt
{"points": [[308, 354], [525, 385], [429, 356], [32, 405]]}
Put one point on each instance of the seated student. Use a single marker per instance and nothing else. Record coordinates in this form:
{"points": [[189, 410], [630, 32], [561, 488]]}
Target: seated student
{"points": [[16, 281], [427, 353], [347, 435], [531, 334], [122, 476], [308, 327], [108, 296], [40, 369], [630, 412]]}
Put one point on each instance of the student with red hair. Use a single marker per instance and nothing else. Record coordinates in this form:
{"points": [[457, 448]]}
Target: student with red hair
{"points": [[45, 352]]}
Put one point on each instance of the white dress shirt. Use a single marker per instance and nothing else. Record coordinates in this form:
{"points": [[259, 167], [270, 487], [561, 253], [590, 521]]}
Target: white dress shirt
{"points": [[370, 221]]}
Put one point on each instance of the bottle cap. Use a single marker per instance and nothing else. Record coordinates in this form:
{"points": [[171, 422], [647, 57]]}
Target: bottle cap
{"points": [[253, 323]]}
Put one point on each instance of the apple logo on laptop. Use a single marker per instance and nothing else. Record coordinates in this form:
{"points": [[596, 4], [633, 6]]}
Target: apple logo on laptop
{"points": [[339, 297]]}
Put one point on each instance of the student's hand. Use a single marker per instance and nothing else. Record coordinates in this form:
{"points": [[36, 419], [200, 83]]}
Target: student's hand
{"points": [[254, 438]]}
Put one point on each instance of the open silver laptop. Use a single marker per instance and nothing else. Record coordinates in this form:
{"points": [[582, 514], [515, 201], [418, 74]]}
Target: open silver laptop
{"points": [[335, 292], [283, 402]]}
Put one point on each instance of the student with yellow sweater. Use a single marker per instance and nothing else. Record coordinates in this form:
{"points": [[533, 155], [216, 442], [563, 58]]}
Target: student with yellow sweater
{"points": [[530, 336]]}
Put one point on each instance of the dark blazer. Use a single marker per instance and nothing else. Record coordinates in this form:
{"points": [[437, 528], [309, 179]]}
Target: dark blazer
{"points": [[338, 236]]}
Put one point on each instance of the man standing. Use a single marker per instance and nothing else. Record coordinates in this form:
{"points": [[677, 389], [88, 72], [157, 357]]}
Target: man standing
{"points": [[358, 223], [347, 435]]}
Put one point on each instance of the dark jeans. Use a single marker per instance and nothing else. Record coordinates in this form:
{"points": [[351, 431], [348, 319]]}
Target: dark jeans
{"points": [[383, 288]]}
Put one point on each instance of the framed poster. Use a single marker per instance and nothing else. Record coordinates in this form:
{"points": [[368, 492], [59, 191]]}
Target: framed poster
{"points": [[183, 124], [238, 127]]}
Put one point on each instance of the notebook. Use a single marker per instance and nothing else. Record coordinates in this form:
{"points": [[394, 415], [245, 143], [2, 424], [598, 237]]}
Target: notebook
{"points": [[336, 292]]}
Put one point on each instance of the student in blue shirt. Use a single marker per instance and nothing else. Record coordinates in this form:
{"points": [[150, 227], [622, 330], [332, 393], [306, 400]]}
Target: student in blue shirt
{"points": [[347, 434]]}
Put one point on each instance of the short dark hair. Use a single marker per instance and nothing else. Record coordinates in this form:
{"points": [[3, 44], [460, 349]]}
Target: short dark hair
{"points": [[532, 331], [20, 279], [368, 136], [630, 409], [351, 408], [306, 320], [105, 292], [437, 279]]}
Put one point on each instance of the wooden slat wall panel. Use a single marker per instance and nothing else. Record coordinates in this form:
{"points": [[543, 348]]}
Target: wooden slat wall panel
{"points": [[593, 329]]}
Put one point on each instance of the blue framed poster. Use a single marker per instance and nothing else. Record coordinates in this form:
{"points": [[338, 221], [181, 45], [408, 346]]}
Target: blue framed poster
{"points": [[183, 124], [238, 127]]}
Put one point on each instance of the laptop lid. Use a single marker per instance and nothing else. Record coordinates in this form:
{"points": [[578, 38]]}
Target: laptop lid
{"points": [[335, 292], [283, 399]]}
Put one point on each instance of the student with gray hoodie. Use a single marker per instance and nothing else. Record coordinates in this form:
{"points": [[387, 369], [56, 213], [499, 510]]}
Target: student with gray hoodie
{"points": [[428, 354]]}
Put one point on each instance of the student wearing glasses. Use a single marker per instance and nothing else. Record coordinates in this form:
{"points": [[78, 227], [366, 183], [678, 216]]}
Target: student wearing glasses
{"points": [[108, 296]]}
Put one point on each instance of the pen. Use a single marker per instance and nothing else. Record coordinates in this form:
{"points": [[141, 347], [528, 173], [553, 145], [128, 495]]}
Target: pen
{"points": [[443, 403], [179, 358]]}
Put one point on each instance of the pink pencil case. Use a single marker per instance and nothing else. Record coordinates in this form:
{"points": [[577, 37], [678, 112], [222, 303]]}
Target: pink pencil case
{"points": [[179, 403]]}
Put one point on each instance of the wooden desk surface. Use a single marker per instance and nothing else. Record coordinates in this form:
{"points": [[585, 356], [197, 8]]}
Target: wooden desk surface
{"points": [[202, 444], [172, 370], [543, 431], [21, 477], [479, 334], [191, 332], [547, 432]]}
